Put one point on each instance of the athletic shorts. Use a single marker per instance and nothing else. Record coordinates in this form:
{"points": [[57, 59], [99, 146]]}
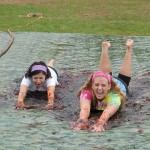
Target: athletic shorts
{"points": [[123, 81]]}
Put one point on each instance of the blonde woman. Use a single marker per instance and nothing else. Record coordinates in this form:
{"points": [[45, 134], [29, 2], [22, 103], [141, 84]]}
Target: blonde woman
{"points": [[104, 92]]}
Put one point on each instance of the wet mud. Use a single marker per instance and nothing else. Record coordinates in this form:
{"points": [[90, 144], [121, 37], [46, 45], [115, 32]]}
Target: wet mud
{"points": [[137, 107]]}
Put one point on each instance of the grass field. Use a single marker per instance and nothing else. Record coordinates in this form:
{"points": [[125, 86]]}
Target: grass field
{"points": [[101, 17]]}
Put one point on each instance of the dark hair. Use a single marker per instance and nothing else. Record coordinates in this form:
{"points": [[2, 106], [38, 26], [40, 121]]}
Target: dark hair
{"points": [[30, 73]]}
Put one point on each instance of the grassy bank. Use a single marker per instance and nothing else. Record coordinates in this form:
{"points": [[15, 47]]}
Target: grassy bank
{"points": [[103, 17]]}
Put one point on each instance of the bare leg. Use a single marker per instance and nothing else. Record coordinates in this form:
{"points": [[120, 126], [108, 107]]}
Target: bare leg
{"points": [[104, 64], [51, 63], [126, 68]]}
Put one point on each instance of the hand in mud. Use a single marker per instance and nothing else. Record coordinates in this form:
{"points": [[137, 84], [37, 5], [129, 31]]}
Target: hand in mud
{"points": [[21, 106], [97, 128], [49, 106], [80, 125]]}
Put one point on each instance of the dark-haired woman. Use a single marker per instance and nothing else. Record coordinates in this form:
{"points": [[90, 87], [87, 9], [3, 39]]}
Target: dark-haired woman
{"points": [[39, 77]]}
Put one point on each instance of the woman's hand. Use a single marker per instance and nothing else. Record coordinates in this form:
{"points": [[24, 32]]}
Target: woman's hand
{"points": [[102, 121], [80, 125], [97, 128], [22, 93], [20, 105]]}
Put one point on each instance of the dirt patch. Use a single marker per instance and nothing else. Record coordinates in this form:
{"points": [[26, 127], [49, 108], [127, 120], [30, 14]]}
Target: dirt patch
{"points": [[67, 104], [137, 105]]}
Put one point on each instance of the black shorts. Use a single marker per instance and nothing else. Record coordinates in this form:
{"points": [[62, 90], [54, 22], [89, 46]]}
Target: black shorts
{"points": [[124, 79]]}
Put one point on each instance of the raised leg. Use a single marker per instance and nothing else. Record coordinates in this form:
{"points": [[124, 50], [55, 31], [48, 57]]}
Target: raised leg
{"points": [[126, 68], [104, 64], [51, 63]]}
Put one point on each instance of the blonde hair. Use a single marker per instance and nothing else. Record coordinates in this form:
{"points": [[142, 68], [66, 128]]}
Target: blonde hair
{"points": [[114, 88]]}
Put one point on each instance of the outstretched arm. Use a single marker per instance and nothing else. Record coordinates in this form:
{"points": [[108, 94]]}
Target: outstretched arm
{"points": [[21, 96], [107, 113], [50, 95], [82, 122], [84, 109]]}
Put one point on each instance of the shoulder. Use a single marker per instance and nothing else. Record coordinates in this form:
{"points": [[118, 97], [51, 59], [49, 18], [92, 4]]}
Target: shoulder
{"points": [[51, 81], [86, 94], [26, 81]]}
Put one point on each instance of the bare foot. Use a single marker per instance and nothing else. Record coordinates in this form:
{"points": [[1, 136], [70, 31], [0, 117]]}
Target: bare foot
{"points": [[129, 43], [51, 63], [106, 44]]}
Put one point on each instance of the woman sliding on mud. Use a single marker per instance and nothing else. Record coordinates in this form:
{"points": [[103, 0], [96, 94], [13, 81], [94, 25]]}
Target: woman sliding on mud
{"points": [[39, 77], [104, 92]]}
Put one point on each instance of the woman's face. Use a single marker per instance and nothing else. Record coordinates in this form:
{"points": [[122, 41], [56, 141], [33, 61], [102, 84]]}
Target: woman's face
{"points": [[38, 79], [100, 87]]}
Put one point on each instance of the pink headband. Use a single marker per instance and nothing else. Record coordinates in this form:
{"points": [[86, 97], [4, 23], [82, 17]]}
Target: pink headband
{"points": [[104, 74], [39, 67]]}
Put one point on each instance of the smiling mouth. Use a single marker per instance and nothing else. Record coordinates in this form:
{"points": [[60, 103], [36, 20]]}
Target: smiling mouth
{"points": [[100, 93]]}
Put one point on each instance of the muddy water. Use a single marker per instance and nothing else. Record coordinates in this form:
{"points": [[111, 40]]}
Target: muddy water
{"points": [[74, 53]]}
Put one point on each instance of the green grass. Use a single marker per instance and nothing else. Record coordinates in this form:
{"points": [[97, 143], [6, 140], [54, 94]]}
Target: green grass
{"points": [[101, 17]]}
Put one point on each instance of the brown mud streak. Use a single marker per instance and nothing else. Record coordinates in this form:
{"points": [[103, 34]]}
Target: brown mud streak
{"points": [[67, 104]]}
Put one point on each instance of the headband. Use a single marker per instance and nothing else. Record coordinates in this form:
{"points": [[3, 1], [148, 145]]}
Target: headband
{"points": [[39, 67], [104, 74]]}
